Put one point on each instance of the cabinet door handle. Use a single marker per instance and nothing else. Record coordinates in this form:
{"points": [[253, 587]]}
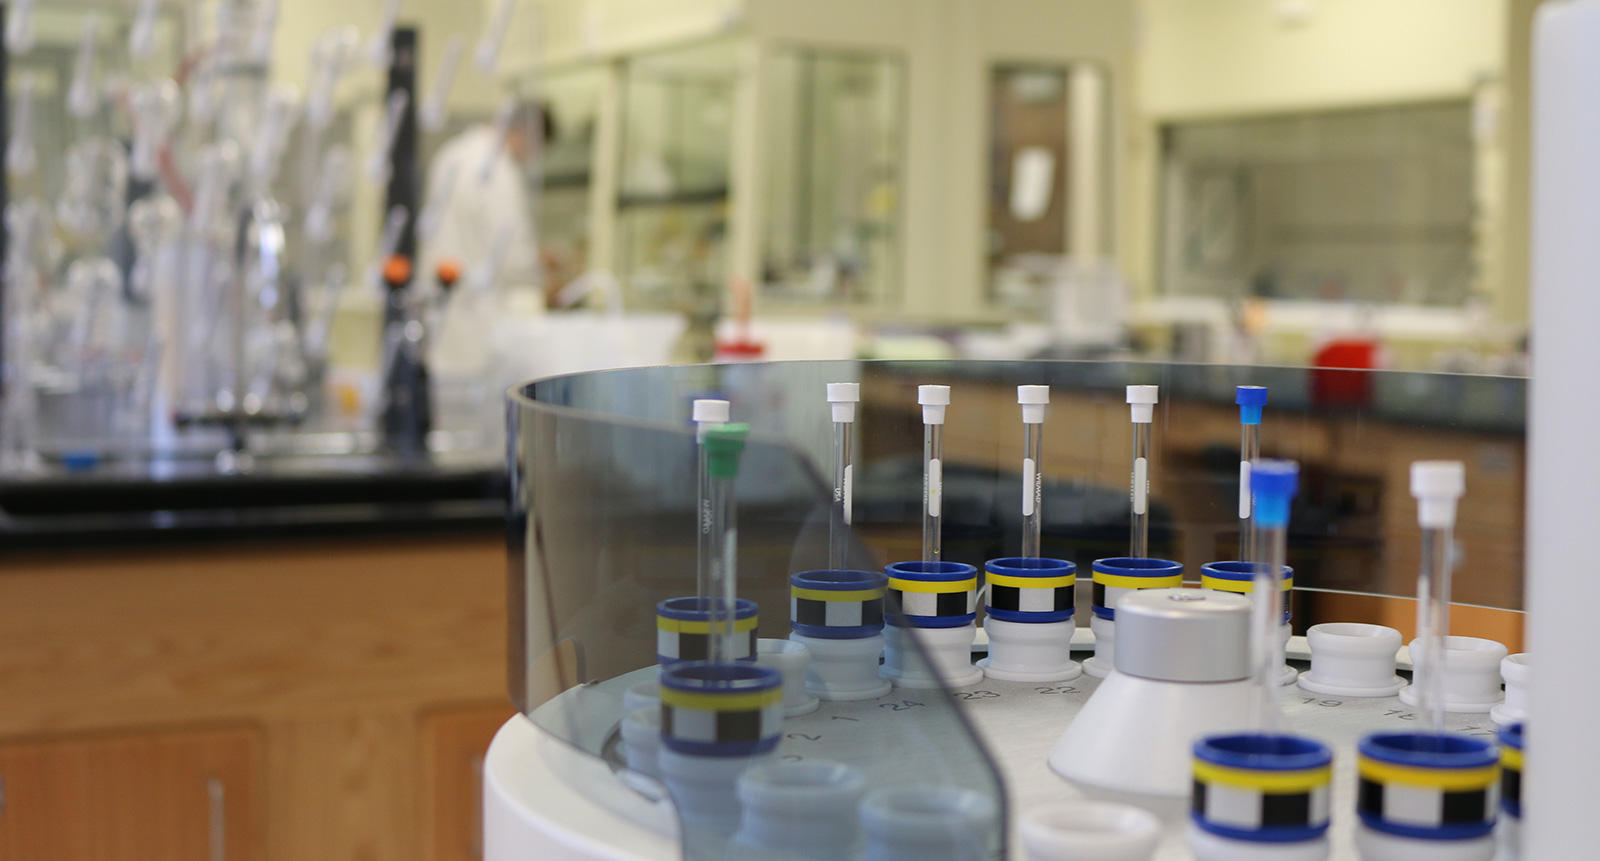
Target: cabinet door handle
{"points": [[217, 795]]}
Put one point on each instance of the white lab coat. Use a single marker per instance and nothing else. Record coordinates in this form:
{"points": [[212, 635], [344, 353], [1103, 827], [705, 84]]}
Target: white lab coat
{"points": [[473, 206]]}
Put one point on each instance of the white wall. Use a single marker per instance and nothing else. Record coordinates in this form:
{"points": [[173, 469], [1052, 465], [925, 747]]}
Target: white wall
{"points": [[1205, 58], [1239, 56]]}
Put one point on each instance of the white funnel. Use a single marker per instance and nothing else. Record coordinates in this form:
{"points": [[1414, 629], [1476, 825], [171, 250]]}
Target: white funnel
{"points": [[1182, 671]]}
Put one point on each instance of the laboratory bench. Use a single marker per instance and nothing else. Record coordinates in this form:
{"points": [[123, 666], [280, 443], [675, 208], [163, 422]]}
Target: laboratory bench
{"points": [[308, 659], [305, 660]]}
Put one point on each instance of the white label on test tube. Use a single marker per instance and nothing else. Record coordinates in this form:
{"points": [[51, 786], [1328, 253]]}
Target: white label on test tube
{"points": [[1244, 489], [1029, 469], [935, 486], [848, 493], [1141, 484]]}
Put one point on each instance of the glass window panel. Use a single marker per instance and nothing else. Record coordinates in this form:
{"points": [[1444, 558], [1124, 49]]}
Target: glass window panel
{"points": [[833, 143], [676, 154], [1372, 205]]}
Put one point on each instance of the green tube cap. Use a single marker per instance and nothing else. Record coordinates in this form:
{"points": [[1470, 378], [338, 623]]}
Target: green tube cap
{"points": [[724, 444]]}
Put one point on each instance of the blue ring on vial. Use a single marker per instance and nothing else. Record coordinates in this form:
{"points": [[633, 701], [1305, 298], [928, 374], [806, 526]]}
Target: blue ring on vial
{"points": [[683, 629], [1288, 779], [1011, 603], [1244, 573], [821, 604], [721, 709], [1434, 763], [1161, 574], [942, 602], [1511, 770]]}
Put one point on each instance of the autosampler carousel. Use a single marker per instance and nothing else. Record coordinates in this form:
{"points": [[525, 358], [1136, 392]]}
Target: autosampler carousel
{"points": [[1074, 610]]}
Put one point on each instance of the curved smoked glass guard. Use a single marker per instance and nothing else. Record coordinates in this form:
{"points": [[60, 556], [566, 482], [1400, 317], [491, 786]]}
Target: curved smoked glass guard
{"points": [[604, 494], [603, 529]]}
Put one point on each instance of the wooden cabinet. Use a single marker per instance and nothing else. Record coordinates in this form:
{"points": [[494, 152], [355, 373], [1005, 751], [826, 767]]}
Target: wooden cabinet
{"points": [[454, 743], [170, 796], [335, 655]]}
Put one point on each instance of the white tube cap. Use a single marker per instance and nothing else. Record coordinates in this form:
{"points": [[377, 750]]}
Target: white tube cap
{"points": [[844, 397], [710, 411], [1142, 400], [933, 399], [1089, 831], [1437, 485], [1033, 399]]}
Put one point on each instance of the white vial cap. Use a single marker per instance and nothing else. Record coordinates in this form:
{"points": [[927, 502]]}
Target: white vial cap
{"points": [[710, 411], [1033, 399], [933, 399], [843, 397], [1437, 484], [1142, 400]]}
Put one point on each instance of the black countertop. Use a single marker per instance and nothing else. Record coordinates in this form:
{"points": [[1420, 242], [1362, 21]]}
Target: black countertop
{"points": [[308, 497]]}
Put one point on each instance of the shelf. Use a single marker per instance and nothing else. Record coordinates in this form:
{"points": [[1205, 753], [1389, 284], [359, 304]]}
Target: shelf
{"points": [[687, 197]]}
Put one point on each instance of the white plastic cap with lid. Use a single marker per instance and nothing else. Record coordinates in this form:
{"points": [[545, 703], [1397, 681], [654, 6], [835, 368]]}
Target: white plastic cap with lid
{"points": [[1033, 399], [933, 400], [710, 411], [1142, 400], [844, 397], [1437, 485]]}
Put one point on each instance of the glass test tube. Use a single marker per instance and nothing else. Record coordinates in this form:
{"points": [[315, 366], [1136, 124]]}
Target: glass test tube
{"points": [[1433, 621], [839, 524], [724, 444], [1251, 400], [1274, 483], [843, 398], [1033, 400], [933, 399], [707, 413], [1141, 401], [1437, 485], [1249, 452]]}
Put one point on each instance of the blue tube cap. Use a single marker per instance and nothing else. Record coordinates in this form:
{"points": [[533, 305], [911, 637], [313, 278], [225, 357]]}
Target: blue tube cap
{"points": [[1274, 483], [1250, 400]]}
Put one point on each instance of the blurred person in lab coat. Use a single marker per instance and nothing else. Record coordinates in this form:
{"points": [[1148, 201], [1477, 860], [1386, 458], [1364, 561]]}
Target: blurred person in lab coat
{"points": [[478, 191]]}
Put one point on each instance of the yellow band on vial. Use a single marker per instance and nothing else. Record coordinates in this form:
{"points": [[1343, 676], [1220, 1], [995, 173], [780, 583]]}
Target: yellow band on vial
{"points": [[698, 626], [835, 595], [1271, 782], [1223, 584], [721, 702], [938, 586], [1122, 581], [1032, 582], [1510, 757], [1432, 778]]}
